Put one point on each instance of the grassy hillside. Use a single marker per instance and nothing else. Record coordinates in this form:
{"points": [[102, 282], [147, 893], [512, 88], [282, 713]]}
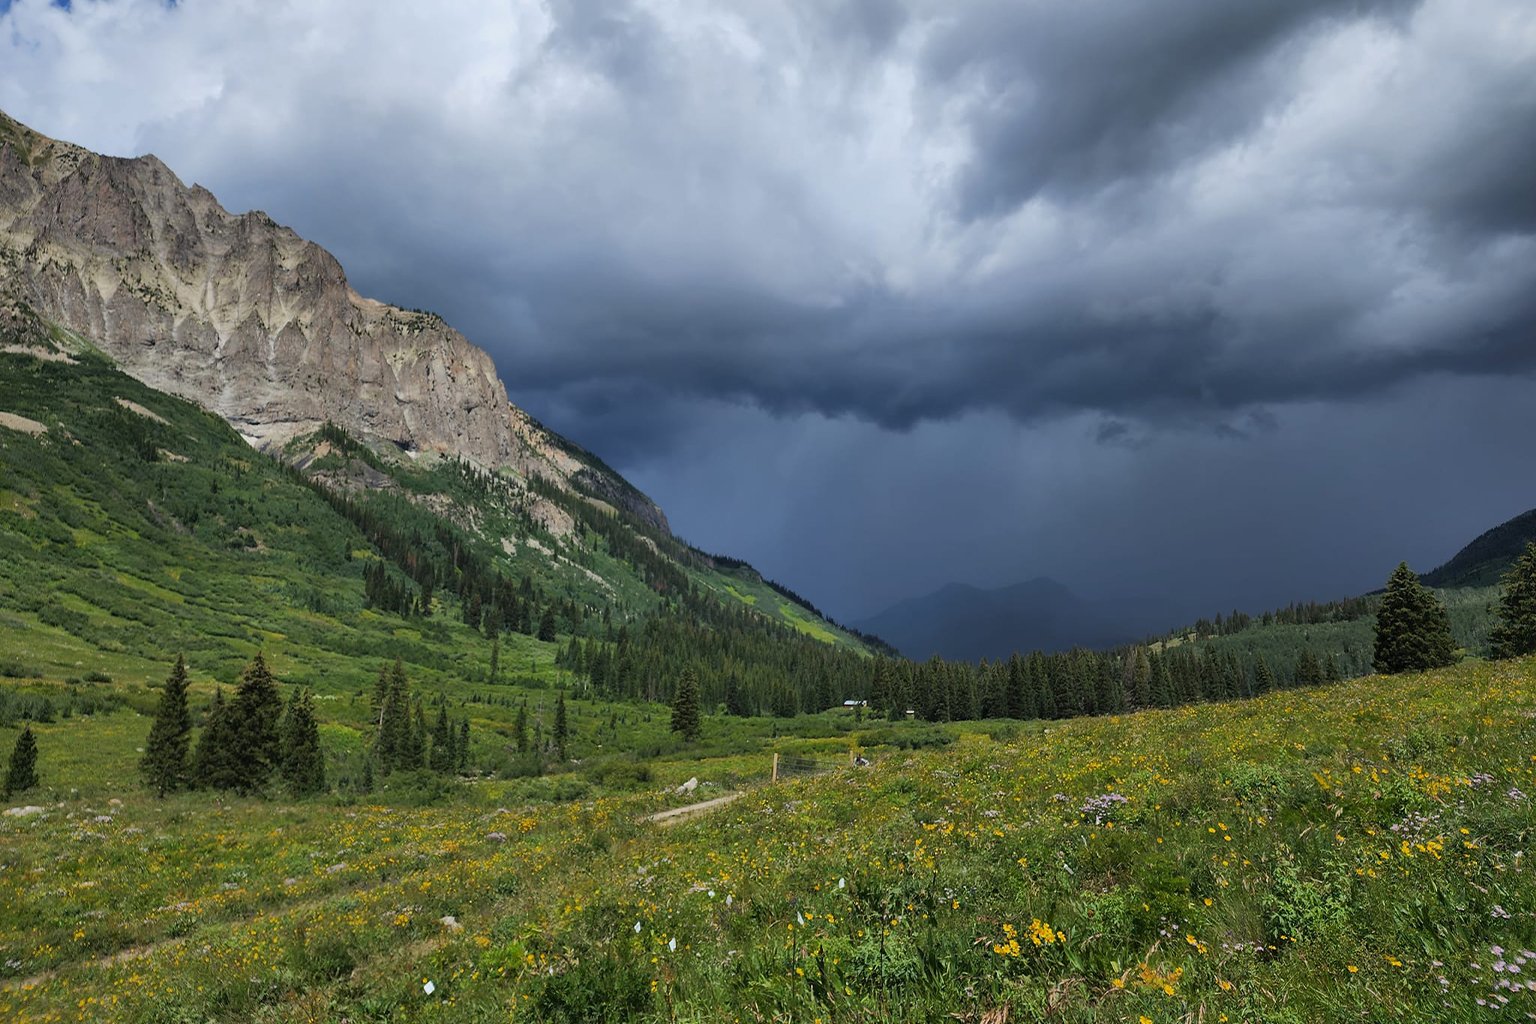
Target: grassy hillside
{"points": [[1351, 853]]}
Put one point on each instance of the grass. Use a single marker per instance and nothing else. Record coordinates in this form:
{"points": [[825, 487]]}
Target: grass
{"points": [[1349, 853]]}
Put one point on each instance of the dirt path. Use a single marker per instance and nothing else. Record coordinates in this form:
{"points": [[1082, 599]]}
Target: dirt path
{"points": [[678, 814]]}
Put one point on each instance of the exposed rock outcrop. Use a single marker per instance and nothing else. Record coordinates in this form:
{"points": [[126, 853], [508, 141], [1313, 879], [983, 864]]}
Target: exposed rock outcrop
{"points": [[241, 315]]}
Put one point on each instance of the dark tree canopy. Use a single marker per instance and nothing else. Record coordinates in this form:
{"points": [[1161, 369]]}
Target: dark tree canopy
{"points": [[1413, 631], [165, 763], [254, 715], [685, 706], [21, 773], [214, 765], [302, 760], [1515, 633], [562, 727]]}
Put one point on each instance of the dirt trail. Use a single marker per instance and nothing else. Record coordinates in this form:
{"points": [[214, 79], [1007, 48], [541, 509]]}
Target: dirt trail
{"points": [[677, 814]]}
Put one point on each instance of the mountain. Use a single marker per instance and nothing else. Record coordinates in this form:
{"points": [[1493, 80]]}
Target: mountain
{"points": [[961, 621], [242, 316], [210, 442], [1482, 562]]}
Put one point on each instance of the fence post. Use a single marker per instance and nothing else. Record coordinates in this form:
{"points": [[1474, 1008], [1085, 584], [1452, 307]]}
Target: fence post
{"points": [[775, 766]]}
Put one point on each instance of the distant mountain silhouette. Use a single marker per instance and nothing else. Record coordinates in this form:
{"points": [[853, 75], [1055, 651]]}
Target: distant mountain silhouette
{"points": [[1482, 562], [962, 621]]}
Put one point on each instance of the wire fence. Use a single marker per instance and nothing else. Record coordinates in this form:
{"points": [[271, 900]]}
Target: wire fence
{"points": [[794, 766]]}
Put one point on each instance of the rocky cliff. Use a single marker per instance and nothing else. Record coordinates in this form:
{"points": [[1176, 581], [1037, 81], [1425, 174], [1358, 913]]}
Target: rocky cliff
{"points": [[241, 315]]}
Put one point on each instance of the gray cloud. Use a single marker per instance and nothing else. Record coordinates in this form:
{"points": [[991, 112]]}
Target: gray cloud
{"points": [[892, 230]]}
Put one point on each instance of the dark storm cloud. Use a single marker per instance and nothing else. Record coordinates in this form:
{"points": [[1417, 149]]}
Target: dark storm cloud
{"points": [[1075, 97], [813, 270]]}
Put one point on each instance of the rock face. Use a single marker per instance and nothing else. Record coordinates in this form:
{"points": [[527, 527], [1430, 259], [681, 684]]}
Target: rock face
{"points": [[241, 315]]}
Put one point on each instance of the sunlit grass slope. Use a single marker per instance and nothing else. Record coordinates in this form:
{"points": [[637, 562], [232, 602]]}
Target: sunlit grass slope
{"points": [[1354, 853]]}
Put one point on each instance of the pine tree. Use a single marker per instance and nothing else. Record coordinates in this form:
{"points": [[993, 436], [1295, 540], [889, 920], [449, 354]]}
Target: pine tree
{"points": [[1308, 670], [561, 726], [462, 762], [214, 765], [736, 698], [442, 759], [392, 745], [547, 625], [685, 706], [521, 728], [1159, 686], [253, 716], [414, 755], [168, 747], [1263, 678], [21, 775], [1413, 631], [1515, 633], [301, 760]]}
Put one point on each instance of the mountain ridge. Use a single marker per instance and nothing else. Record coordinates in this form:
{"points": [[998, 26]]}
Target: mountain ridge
{"points": [[243, 316]]}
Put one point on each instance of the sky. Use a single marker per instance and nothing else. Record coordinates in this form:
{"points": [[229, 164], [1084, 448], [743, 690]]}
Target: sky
{"points": [[1208, 304]]}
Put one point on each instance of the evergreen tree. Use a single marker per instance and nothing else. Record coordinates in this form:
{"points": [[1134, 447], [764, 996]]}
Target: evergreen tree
{"points": [[1140, 679], [1159, 686], [685, 706], [21, 774], [496, 659], [1263, 678], [1413, 631], [302, 762], [1515, 633], [392, 744], [414, 755], [1309, 672], [736, 699], [443, 755], [166, 751], [214, 764], [462, 762], [561, 726], [521, 728], [253, 716], [547, 625]]}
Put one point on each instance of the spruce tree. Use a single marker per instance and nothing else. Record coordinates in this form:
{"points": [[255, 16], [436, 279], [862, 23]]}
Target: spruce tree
{"points": [[415, 754], [462, 762], [1309, 672], [214, 764], [521, 728], [1515, 633], [547, 625], [442, 759], [21, 774], [736, 699], [685, 706], [1413, 631], [1160, 686], [1263, 678], [561, 726], [302, 761], [254, 716], [392, 744], [168, 747]]}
